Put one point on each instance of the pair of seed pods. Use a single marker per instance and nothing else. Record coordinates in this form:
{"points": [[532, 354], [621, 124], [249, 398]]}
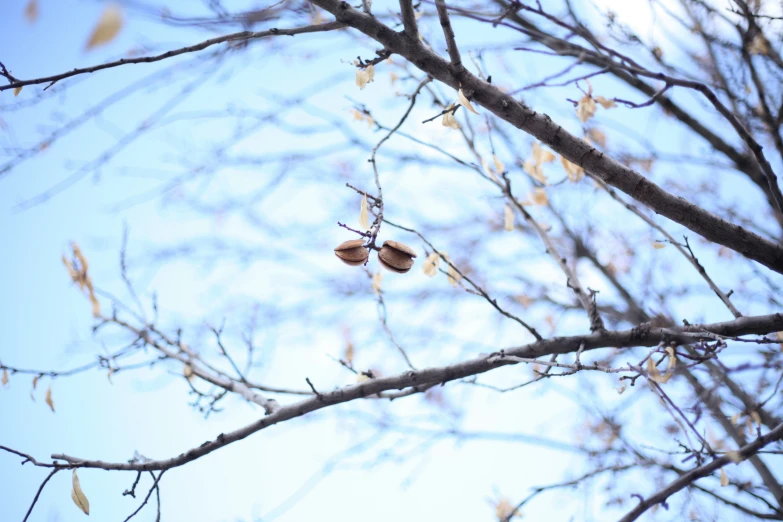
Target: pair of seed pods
{"points": [[393, 255]]}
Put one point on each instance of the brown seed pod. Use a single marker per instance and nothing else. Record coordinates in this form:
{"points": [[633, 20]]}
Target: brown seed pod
{"points": [[396, 257], [352, 252]]}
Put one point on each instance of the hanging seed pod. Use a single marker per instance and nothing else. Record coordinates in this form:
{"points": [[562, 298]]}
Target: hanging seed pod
{"points": [[396, 257], [352, 252]]}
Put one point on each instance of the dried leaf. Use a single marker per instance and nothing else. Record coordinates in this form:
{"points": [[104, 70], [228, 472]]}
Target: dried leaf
{"points": [[430, 266], [541, 155], [364, 218], [393, 78], [5, 377], [606, 103], [349, 351], [672, 359], [31, 11], [377, 279], [504, 510], [657, 52], [17, 90], [535, 171], [724, 479], [499, 167], [585, 109], [597, 136], [653, 370], [539, 197], [187, 371], [49, 397], [756, 418], [78, 495], [735, 419], [450, 121], [365, 76], [452, 275], [362, 377], [463, 100], [524, 300], [734, 456], [657, 245], [574, 171], [508, 225], [96, 306], [759, 45], [107, 28]]}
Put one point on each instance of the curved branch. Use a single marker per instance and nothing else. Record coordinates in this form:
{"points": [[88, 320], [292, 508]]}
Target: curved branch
{"points": [[644, 335], [241, 36]]}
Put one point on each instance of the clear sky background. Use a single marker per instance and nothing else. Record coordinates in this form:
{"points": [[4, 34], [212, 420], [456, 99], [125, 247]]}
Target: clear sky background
{"points": [[329, 466]]}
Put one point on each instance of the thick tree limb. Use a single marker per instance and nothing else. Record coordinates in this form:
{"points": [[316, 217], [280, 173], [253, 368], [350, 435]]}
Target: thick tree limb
{"points": [[693, 475], [572, 148], [644, 335]]}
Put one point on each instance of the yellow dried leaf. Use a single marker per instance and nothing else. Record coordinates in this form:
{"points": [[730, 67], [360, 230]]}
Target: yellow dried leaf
{"points": [[735, 419], [508, 224], [78, 495], [452, 275], [35, 381], [96, 306], [357, 115], [585, 109], [672, 359], [364, 218], [657, 52], [724, 479], [187, 371], [653, 370], [450, 121], [463, 100], [17, 90], [31, 11], [365, 76], [597, 136], [5, 377], [756, 418], [430, 265], [535, 171], [377, 279], [108, 375], [499, 167], [524, 300], [362, 377], [349, 351], [107, 28], [539, 197], [605, 102], [541, 155], [49, 397], [393, 77], [504, 510], [734, 456], [657, 245], [574, 171], [759, 45]]}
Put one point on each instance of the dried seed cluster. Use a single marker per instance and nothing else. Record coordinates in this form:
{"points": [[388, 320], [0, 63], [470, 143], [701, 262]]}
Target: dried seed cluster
{"points": [[394, 256]]}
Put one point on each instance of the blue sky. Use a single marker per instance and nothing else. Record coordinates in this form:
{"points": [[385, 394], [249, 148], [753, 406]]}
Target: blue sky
{"points": [[47, 321]]}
